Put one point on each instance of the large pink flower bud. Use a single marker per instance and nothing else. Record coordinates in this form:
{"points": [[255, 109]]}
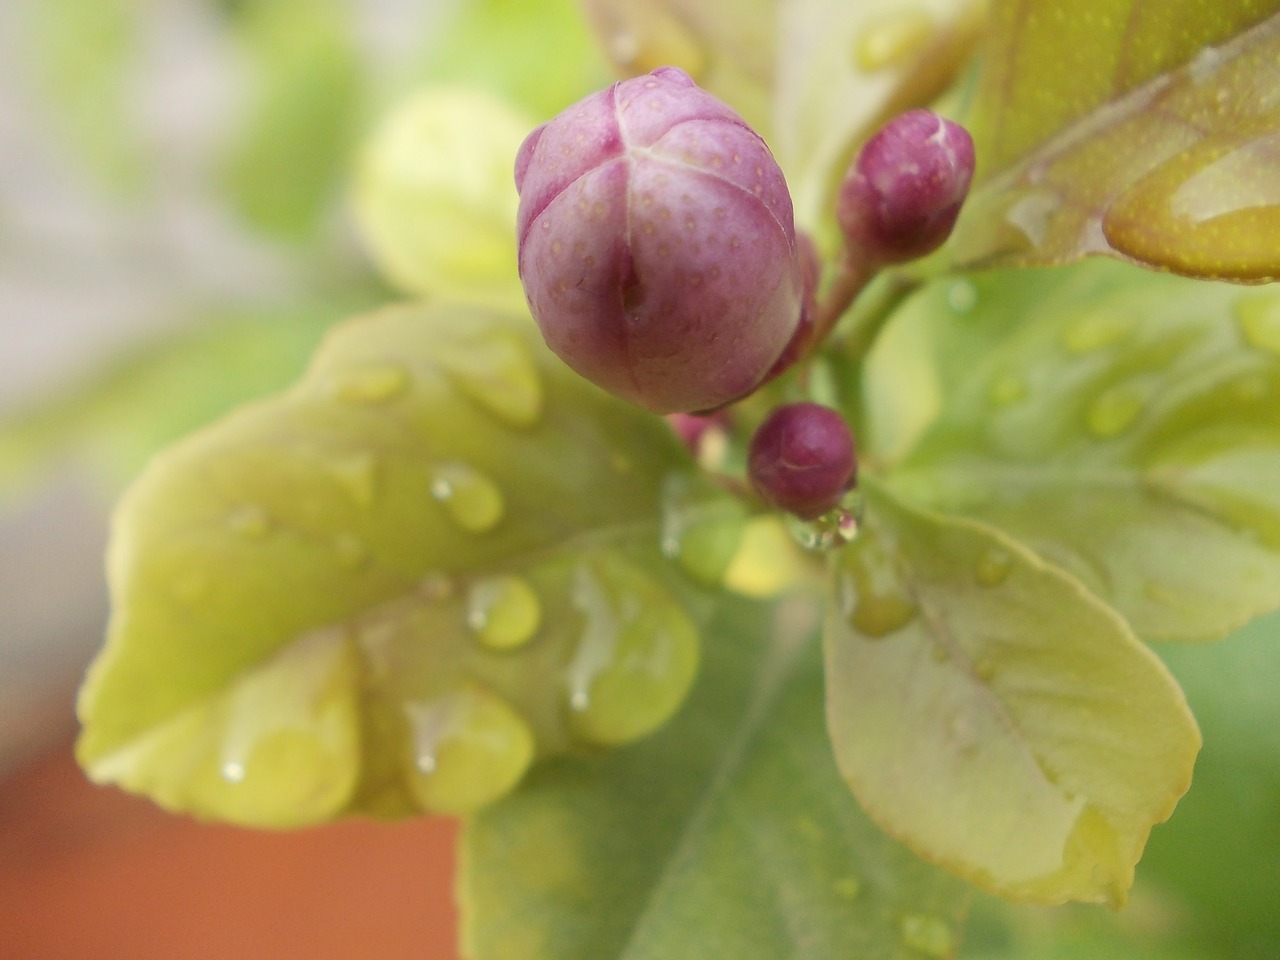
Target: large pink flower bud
{"points": [[657, 244]]}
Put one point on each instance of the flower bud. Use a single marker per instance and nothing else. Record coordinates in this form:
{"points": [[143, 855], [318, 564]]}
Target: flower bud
{"points": [[657, 244], [903, 193], [802, 460]]}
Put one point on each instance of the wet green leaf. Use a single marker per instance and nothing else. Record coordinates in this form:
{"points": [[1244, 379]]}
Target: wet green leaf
{"points": [[990, 712], [846, 68], [1125, 425], [728, 46], [1144, 131], [729, 834], [286, 161], [390, 588]]}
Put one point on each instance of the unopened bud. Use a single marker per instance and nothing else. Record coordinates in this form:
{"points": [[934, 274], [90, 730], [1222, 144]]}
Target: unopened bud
{"points": [[802, 459], [657, 244], [903, 192]]}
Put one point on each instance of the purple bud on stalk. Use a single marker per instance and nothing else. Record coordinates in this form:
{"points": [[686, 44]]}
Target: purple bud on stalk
{"points": [[657, 244], [903, 192], [802, 459]]}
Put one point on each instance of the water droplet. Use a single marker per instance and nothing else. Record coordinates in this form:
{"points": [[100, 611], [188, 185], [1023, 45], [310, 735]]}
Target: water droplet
{"points": [[1260, 322], [1115, 410], [927, 934], [962, 296], [250, 521], [500, 374], [701, 529], [1096, 330], [350, 550], [372, 384], [877, 601], [466, 749], [848, 888], [835, 528], [1006, 390], [636, 658], [891, 41], [357, 474], [994, 566], [471, 499], [503, 611]]}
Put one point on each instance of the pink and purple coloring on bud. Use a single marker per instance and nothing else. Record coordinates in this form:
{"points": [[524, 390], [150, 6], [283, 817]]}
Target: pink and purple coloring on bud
{"points": [[903, 192], [657, 244], [801, 459]]}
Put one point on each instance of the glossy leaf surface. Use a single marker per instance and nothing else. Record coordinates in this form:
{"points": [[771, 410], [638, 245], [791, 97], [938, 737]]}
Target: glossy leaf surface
{"points": [[727, 834], [1139, 130], [391, 587], [995, 716], [1124, 425]]}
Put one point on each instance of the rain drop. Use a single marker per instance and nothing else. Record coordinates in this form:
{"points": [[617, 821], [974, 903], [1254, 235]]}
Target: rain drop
{"points": [[466, 749], [250, 521], [927, 934], [835, 528], [962, 296], [701, 531], [504, 612], [1259, 319], [1115, 410], [994, 566], [471, 499], [877, 601], [891, 41], [500, 374], [376, 384]]}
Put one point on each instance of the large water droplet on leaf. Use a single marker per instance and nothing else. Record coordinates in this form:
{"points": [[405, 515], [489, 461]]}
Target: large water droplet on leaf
{"points": [[466, 749], [1260, 322], [993, 567], [470, 498], [701, 532], [1115, 410], [876, 601], [503, 611], [498, 373], [636, 658], [376, 384], [893, 40]]}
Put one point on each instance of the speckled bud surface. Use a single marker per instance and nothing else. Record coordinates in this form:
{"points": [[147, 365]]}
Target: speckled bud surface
{"points": [[903, 192], [657, 244], [802, 459]]}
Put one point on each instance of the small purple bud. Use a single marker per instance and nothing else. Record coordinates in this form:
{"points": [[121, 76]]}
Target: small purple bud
{"points": [[802, 459], [903, 193], [657, 244]]}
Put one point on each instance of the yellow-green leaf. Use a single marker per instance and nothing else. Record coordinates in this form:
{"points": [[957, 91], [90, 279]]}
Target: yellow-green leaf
{"points": [[392, 587], [1138, 130], [728, 834], [992, 714], [1123, 424]]}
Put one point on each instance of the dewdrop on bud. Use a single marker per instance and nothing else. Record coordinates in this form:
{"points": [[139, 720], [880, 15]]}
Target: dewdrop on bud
{"points": [[657, 244], [903, 192], [802, 460]]}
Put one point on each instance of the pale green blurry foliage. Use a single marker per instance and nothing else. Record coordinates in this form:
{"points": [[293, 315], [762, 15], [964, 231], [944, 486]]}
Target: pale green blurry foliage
{"points": [[442, 574]]}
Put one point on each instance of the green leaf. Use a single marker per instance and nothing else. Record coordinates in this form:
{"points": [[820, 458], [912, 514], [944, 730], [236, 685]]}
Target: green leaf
{"points": [[80, 55], [995, 716], [158, 392], [846, 68], [390, 588], [1143, 131], [729, 834], [727, 46], [1122, 424], [285, 163], [435, 198], [539, 56]]}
